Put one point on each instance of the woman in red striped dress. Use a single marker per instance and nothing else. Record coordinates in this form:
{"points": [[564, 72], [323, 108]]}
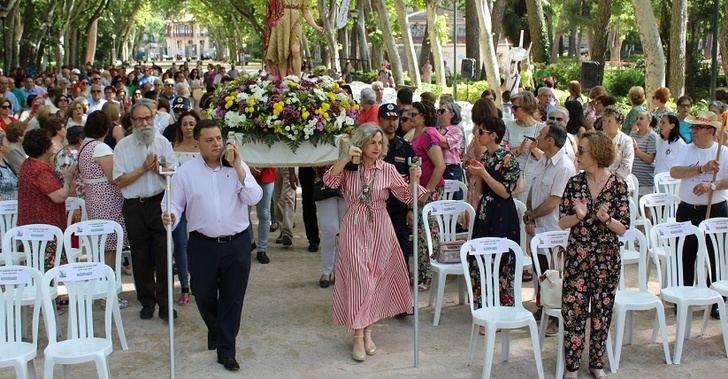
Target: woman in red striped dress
{"points": [[371, 277]]}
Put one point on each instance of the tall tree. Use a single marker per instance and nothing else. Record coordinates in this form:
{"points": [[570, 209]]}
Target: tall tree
{"points": [[601, 32], [472, 31], [652, 45], [678, 41], [435, 42], [537, 29], [327, 10], [496, 18], [487, 49], [413, 68], [724, 40], [389, 42]]}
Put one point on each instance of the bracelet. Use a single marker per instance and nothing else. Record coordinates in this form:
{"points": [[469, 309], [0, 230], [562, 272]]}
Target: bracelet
{"points": [[700, 168], [609, 221]]}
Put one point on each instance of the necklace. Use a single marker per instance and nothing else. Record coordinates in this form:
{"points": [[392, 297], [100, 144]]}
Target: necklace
{"points": [[365, 194]]}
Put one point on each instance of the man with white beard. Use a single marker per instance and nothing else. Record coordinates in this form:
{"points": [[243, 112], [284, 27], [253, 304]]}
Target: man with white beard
{"points": [[136, 172]]}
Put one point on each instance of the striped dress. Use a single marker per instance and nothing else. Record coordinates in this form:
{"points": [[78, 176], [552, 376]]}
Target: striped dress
{"points": [[371, 277]]}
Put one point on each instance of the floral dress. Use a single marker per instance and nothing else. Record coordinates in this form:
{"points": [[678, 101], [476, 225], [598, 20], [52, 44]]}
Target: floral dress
{"points": [[498, 217], [591, 268]]}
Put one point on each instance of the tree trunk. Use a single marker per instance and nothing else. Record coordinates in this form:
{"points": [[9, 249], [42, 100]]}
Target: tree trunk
{"points": [[472, 31], [678, 40], [557, 35], [389, 43], [344, 41], [487, 50], [652, 45], [413, 67], [616, 37], [363, 41], [536, 27], [572, 42], [91, 35], [425, 48], [724, 40], [17, 35], [327, 10], [601, 32], [496, 20], [435, 43]]}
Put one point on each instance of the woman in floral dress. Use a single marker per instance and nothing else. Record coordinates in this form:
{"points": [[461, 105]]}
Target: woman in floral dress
{"points": [[496, 214], [371, 276], [595, 206]]}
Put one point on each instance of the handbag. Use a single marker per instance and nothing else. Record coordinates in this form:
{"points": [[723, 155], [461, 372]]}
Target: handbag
{"points": [[522, 183], [449, 252], [551, 289], [322, 192]]}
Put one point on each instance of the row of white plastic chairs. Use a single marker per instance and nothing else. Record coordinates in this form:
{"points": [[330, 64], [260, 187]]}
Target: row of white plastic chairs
{"points": [[85, 283]]}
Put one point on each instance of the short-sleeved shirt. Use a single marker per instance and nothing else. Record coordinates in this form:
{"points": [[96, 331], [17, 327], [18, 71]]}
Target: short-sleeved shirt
{"points": [[645, 172], [686, 131], [421, 146], [667, 154], [36, 181], [368, 116], [515, 134], [692, 155], [552, 174], [129, 155]]}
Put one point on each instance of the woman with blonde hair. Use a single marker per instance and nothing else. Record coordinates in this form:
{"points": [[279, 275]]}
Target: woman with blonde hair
{"points": [[371, 276], [76, 114], [520, 134]]}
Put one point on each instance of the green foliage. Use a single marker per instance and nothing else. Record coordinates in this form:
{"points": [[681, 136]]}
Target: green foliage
{"points": [[471, 92], [619, 82], [364, 76], [319, 70], [442, 28], [564, 72]]}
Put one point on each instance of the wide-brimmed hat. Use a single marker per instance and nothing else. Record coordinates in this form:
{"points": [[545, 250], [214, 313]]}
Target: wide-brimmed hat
{"points": [[705, 118]]}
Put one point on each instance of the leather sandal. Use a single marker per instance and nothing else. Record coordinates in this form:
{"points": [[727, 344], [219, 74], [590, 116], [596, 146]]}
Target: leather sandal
{"points": [[357, 352]]}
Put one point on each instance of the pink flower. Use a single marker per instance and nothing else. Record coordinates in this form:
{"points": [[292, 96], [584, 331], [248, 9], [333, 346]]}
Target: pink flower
{"points": [[606, 301]]}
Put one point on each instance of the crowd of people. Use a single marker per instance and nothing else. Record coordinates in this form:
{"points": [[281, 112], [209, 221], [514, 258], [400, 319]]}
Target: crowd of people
{"points": [[102, 135]]}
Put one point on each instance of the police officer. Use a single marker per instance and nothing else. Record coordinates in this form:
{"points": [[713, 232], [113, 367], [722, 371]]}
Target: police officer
{"points": [[398, 154]]}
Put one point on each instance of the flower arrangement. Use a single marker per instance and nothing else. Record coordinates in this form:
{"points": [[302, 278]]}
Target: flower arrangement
{"points": [[289, 110]]}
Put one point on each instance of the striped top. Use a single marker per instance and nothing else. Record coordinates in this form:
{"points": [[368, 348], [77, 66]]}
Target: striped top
{"points": [[644, 171]]}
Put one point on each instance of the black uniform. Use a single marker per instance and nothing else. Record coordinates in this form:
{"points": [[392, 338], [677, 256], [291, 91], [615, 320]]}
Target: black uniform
{"points": [[398, 154]]}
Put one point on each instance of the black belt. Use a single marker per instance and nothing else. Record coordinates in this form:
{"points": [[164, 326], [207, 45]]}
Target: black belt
{"points": [[221, 239], [156, 197], [699, 207]]}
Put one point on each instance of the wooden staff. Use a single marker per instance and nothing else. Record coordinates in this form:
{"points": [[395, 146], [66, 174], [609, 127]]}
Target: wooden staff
{"points": [[717, 158]]}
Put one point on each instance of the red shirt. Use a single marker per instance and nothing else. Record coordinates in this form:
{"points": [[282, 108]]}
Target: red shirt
{"points": [[4, 125], [267, 175], [369, 116], [36, 181]]}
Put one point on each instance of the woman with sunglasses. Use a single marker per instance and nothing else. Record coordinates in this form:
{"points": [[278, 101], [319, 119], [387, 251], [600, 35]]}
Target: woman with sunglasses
{"points": [[451, 139], [496, 214], [669, 145], [595, 207], [520, 135], [426, 144], [5, 118]]}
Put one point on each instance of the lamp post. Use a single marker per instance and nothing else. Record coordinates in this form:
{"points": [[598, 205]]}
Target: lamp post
{"points": [[113, 49]]}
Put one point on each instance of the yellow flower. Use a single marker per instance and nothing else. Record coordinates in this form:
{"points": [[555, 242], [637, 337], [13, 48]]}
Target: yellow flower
{"points": [[305, 115], [292, 84], [228, 104], [331, 96], [278, 108], [251, 101]]}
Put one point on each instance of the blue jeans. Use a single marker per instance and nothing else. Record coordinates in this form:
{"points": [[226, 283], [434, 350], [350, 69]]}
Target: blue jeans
{"points": [[179, 236], [263, 211]]}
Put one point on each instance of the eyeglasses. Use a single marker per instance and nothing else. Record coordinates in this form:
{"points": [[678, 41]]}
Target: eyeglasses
{"points": [[580, 150], [137, 93], [559, 119], [169, 85], [5, 107], [145, 120], [84, 82], [95, 79], [96, 91], [441, 110]]}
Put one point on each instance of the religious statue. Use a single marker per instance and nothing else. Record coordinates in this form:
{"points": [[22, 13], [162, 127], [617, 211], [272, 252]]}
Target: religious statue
{"points": [[285, 36]]}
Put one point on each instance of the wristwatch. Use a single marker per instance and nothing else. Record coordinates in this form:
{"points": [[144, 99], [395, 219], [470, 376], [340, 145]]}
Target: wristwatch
{"points": [[713, 187]]}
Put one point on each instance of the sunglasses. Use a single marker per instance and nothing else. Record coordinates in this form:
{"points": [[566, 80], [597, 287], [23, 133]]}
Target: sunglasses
{"points": [[559, 119], [96, 91], [581, 151], [5, 107], [169, 85], [441, 111]]}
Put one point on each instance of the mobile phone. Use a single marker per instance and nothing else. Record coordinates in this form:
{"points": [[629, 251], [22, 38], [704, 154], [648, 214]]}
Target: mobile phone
{"points": [[529, 138]]}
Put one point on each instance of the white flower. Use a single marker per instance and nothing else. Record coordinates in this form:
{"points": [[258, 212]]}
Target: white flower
{"points": [[234, 119], [320, 94], [240, 97]]}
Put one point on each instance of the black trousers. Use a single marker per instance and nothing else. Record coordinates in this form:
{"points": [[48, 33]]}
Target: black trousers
{"points": [[219, 277], [399, 221], [695, 214], [306, 177], [148, 243]]}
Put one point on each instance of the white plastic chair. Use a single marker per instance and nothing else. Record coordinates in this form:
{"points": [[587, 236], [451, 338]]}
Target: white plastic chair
{"points": [[664, 183], [550, 244], [658, 208], [83, 281], [716, 231], [16, 284], [488, 254], [527, 260], [446, 214], [8, 216], [627, 301], [671, 238], [630, 253], [72, 204], [92, 236], [452, 187]]}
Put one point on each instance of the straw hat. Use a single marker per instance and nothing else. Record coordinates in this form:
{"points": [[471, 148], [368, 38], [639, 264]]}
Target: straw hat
{"points": [[705, 118]]}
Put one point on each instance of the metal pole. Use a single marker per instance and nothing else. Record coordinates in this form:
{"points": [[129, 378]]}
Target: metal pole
{"points": [[168, 172], [455, 50], [415, 162], [714, 51]]}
